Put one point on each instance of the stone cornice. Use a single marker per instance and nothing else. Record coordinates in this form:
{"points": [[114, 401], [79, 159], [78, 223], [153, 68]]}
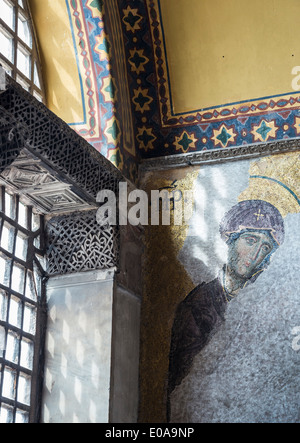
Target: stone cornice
{"points": [[220, 155], [51, 140]]}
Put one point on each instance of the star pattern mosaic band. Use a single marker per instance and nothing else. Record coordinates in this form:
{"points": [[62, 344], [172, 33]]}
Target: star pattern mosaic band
{"points": [[98, 42], [127, 97], [257, 121]]}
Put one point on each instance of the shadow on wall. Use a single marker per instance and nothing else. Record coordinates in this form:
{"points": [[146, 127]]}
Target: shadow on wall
{"points": [[78, 352], [216, 191]]}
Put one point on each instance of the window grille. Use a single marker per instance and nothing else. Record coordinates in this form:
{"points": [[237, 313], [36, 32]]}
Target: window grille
{"points": [[18, 49], [21, 309]]}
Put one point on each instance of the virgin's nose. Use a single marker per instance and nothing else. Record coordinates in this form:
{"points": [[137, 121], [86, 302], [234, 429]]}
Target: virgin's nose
{"points": [[255, 252]]}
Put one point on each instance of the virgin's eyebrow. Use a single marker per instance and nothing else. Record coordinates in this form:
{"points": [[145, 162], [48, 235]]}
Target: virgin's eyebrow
{"points": [[265, 243], [250, 236]]}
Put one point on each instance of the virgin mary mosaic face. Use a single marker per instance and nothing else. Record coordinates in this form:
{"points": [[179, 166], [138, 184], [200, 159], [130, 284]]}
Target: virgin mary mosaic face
{"points": [[247, 253], [253, 231]]}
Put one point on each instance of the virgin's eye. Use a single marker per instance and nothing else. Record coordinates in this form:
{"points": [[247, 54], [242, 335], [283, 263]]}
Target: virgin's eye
{"points": [[250, 240], [266, 249]]}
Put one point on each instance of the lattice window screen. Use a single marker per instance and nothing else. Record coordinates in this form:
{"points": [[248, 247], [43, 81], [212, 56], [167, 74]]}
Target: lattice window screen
{"points": [[21, 301], [18, 47]]}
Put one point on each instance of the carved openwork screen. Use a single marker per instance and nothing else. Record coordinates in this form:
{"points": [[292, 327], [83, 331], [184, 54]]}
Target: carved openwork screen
{"points": [[21, 300], [18, 51]]}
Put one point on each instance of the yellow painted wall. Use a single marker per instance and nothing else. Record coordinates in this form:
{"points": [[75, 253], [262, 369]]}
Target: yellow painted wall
{"points": [[221, 51], [58, 59]]}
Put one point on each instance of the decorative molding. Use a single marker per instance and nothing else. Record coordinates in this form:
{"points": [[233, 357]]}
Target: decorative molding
{"points": [[220, 155]]}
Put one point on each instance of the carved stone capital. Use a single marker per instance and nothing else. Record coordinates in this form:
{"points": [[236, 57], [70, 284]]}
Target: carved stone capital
{"points": [[77, 243]]}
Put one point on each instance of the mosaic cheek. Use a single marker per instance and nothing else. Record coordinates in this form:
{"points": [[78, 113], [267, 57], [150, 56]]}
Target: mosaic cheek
{"points": [[241, 258]]}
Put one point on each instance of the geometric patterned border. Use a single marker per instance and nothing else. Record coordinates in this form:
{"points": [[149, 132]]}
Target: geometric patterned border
{"points": [[282, 103], [160, 132], [108, 121], [97, 91], [90, 127]]}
